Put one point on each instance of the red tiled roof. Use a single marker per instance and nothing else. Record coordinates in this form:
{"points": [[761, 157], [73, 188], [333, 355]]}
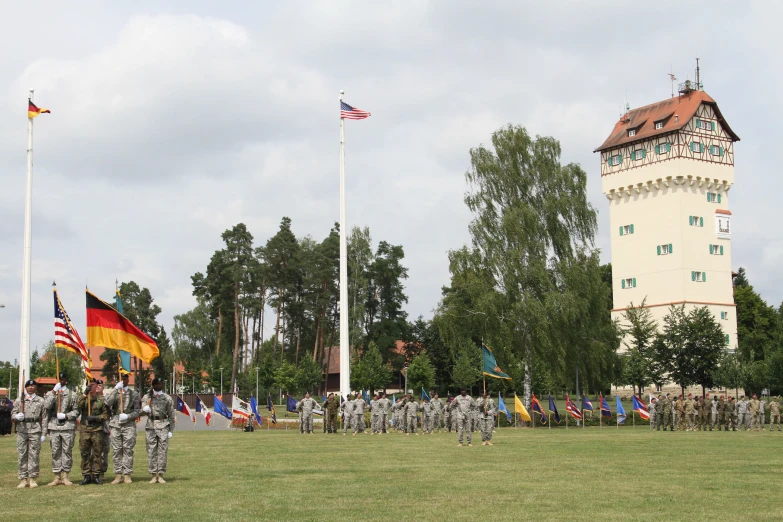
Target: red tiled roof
{"points": [[643, 119], [334, 361]]}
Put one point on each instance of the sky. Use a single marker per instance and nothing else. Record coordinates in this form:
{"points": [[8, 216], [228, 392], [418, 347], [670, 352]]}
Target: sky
{"points": [[170, 126]]}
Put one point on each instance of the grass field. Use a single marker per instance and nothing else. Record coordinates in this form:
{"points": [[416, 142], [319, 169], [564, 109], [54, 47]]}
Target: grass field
{"points": [[591, 474]]}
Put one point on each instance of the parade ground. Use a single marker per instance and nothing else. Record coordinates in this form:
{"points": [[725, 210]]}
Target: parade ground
{"points": [[590, 474]]}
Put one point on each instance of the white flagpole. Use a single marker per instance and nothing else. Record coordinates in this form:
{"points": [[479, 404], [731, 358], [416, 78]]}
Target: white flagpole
{"points": [[345, 367], [24, 345]]}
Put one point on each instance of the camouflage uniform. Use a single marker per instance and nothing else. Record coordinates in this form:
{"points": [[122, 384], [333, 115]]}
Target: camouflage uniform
{"points": [[487, 412], [62, 432], [411, 409], [307, 405], [653, 413], [721, 414], [762, 414], [123, 432], [679, 408], [437, 415], [427, 414], [447, 416], [774, 414], [385, 405], [690, 412], [461, 408], [375, 416], [753, 409], [704, 413], [731, 414], [28, 433], [357, 421], [94, 412], [160, 423], [714, 415], [666, 414], [332, 406], [347, 408]]}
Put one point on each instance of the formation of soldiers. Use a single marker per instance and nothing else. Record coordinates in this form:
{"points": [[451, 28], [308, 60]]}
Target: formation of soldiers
{"points": [[461, 414], [722, 414], [102, 420]]}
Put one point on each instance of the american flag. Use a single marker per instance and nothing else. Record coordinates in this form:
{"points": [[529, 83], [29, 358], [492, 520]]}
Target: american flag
{"points": [[349, 113], [572, 409], [66, 336]]}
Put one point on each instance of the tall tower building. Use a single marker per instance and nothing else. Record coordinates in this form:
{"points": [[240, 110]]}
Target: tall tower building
{"points": [[667, 170]]}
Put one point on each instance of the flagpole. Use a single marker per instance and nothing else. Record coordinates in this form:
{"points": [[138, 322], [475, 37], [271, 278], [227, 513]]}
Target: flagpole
{"points": [[27, 257], [345, 367]]}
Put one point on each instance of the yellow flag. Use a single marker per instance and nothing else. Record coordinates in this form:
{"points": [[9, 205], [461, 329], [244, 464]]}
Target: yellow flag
{"points": [[520, 408]]}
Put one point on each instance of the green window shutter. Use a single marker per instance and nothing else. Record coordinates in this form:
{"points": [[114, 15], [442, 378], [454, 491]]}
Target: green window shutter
{"points": [[690, 220], [701, 221], [634, 282], [671, 250], [721, 151], [659, 249], [620, 156], [704, 277], [713, 126], [668, 147], [657, 149], [691, 146], [621, 230], [644, 153], [701, 147], [633, 156], [721, 250], [708, 197], [623, 283], [693, 276], [711, 249], [631, 228], [698, 123], [727, 338], [719, 198]]}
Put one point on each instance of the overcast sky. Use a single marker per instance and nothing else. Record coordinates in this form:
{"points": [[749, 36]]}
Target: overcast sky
{"points": [[168, 127]]}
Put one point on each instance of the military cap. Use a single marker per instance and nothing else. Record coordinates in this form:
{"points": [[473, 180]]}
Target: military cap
{"points": [[62, 376], [157, 380], [30, 382]]}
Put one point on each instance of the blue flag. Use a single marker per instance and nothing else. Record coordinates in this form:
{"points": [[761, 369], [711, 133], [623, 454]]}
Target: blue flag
{"points": [[502, 408], [220, 408], [291, 404], [553, 410], [424, 394], [125, 363], [254, 409], [605, 411], [620, 411], [365, 396], [586, 404]]}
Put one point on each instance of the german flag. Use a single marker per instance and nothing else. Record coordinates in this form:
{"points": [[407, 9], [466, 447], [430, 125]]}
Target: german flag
{"points": [[107, 327], [33, 110]]}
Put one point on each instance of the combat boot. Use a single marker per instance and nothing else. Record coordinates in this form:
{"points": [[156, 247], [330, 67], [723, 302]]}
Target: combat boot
{"points": [[31, 483], [97, 479], [117, 479], [86, 480], [154, 478], [160, 479], [57, 480], [64, 478], [22, 484], [127, 479]]}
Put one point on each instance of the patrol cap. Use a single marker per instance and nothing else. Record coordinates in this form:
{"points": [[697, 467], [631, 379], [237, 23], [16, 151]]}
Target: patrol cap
{"points": [[62, 376], [157, 380], [30, 382]]}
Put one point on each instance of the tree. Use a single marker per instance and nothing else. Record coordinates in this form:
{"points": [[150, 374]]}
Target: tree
{"points": [[370, 372], [386, 320], [44, 364], [421, 374], [195, 338], [670, 347], [285, 377], [308, 375], [281, 255], [530, 213], [467, 364], [704, 345], [639, 337]]}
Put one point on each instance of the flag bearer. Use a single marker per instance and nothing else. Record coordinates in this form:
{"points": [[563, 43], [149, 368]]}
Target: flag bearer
{"points": [[487, 421], [62, 408], [125, 407], [94, 412], [159, 409], [30, 416]]}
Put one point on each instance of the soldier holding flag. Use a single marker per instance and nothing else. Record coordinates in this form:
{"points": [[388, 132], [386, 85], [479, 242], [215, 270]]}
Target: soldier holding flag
{"points": [[125, 408], [159, 409], [62, 409]]}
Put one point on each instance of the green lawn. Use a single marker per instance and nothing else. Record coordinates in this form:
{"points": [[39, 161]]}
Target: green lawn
{"points": [[591, 474]]}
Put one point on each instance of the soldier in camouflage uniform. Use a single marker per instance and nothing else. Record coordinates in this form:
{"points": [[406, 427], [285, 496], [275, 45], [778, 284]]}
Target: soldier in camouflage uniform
{"points": [[307, 405], [652, 412], [664, 409], [159, 409], [427, 414], [704, 413], [731, 408], [461, 408], [385, 405], [30, 416], [332, 407], [774, 413], [447, 416], [347, 409], [411, 415], [375, 415], [753, 410], [721, 409], [487, 411], [679, 408], [94, 413], [437, 411], [690, 413], [357, 421], [742, 413], [124, 407], [762, 413], [62, 408]]}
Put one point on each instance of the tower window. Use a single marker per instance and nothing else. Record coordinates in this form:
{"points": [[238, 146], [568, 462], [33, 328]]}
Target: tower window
{"points": [[658, 125], [665, 250], [628, 283], [724, 315], [632, 132], [716, 150], [699, 277], [626, 229], [716, 250], [663, 148], [638, 154], [697, 147], [613, 161], [696, 221]]}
